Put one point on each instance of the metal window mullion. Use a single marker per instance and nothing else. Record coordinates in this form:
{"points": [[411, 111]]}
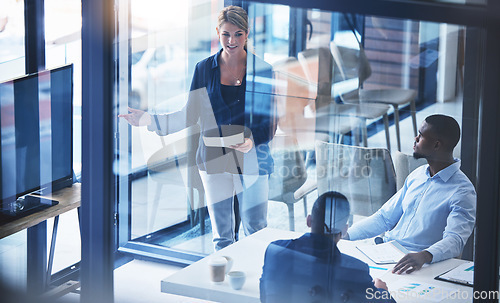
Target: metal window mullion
{"points": [[34, 47], [454, 13], [97, 209], [34, 35], [488, 199]]}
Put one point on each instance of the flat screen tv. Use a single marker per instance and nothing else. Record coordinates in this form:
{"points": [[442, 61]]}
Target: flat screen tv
{"points": [[36, 150]]}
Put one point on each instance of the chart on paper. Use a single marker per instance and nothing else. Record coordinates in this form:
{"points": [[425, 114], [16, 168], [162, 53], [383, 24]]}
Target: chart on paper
{"points": [[419, 291], [385, 253]]}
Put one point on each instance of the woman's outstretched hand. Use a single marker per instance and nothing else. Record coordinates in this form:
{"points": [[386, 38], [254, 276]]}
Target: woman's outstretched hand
{"points": [[244, 147], [137, 117]]}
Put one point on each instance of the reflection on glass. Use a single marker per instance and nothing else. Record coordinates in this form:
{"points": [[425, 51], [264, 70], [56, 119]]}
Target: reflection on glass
{"points": [[63, 22], [340, 78], [11, 39]]}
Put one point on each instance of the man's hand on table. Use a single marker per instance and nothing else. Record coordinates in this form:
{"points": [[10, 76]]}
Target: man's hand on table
{"points": [[412, 261]]}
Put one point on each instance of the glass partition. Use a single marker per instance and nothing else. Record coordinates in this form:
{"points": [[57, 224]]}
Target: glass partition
{"points": [[326, 77], [11, 39], [12, 65], [63, 46], [63, 24]]}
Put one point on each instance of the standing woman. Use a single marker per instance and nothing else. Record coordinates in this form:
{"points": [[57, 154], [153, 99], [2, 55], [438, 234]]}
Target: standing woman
{"points": [[230, 90]]}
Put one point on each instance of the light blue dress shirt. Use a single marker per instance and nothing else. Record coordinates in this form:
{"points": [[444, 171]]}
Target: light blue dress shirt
{"points": [[433, 213]]}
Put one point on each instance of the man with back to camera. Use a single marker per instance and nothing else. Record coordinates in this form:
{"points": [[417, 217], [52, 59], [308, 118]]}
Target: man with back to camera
{"points": [[312, 269], [434, 212]]}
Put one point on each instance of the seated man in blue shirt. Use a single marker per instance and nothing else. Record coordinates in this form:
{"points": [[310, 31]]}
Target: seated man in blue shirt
{"points": [[433, 214], [312, 269]]}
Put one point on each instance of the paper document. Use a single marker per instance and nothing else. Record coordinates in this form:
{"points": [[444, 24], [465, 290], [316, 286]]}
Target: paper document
{"points": [[224, 141], [385, 253], [378, 271], [419, 291], [462, 274]]}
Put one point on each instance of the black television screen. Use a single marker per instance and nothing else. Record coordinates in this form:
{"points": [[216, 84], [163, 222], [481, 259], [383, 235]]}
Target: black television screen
{"points": [[36, 118]]}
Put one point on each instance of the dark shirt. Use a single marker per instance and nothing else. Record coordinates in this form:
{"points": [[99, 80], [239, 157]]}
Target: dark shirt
{"points": [[260, 119], [236, 106], [312, 269]]}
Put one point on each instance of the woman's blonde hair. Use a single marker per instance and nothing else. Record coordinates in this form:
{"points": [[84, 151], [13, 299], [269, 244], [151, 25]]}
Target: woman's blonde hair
{"points": [[234, 15]]}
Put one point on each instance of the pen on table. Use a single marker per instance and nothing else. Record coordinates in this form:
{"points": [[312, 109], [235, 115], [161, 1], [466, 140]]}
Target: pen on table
{"points": [[380, 268]]}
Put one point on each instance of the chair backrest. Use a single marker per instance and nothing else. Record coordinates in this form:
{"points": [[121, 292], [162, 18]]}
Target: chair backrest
{"points": [[289, 168], [351, 62], [290, 70], [317, 65], [295, 100], [404, 164], [364, 175]]}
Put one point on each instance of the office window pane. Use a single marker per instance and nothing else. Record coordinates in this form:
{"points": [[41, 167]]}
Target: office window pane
{"points": [[12, 64], [362, 85], [63, 23], [63, 46], [158, 60], [11, 39]]}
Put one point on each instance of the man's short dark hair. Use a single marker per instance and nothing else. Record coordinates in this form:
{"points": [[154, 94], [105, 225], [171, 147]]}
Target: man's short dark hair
{"points": [[445, 128], [330, 213]]}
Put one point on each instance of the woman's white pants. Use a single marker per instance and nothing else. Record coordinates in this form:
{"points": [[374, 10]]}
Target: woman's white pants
{"points": [[252, 192]]}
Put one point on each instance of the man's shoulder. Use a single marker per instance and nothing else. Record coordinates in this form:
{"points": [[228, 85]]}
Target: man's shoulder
{"points": [[281, 243], [290, 243], [350, 263], [279, 246], [301, 245], [419, 171], [464, 181]]}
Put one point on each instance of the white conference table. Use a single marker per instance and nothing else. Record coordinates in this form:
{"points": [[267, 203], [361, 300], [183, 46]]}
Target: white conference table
{"points": [[248, 255]]}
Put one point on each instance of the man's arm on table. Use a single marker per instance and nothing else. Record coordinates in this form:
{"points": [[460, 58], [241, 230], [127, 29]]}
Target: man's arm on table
{"points": [[381, 221], [459, 226]]}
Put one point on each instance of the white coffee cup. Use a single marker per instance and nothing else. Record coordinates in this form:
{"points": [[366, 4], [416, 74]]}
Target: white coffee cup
{"points": [[236, 279], [229, 263], [217, 267]]}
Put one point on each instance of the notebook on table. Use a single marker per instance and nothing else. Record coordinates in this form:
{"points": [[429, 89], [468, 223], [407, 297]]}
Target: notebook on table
{"points": [[385, 253]]}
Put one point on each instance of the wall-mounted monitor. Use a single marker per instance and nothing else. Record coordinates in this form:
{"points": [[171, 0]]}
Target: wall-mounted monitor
{"points": [[36, 118]]}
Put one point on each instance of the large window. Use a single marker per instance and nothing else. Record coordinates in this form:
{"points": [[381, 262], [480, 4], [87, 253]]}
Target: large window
{"points": [[62, 21], [442, 57], [12, 65], [63, 46], [11, 39], [322, 61]]}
